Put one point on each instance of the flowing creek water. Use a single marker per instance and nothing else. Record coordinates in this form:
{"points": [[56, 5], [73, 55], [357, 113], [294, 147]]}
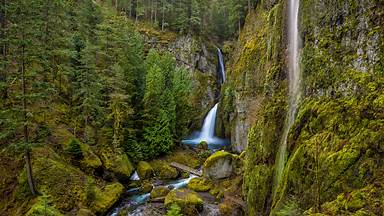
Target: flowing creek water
{"points": [[134, 199]]}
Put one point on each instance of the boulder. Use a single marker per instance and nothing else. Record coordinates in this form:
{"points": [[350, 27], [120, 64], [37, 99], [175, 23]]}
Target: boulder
{"points": [[203, 145], [160, 191], [106, 197], [144, 170], [219, 165], [146, 187], [116, 162], [200, 184], [189, 201], [163, 170]]}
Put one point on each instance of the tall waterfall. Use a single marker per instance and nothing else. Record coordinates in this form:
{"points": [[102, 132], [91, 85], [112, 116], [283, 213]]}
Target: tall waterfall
{"points": [[294, 83], [207, 132]]}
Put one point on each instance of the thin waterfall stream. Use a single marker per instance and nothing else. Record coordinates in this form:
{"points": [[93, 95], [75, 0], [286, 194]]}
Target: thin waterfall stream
{"points": [[294, 84]]}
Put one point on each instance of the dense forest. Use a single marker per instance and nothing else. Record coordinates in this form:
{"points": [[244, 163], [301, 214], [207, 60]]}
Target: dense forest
{"points": [[191, 107]]}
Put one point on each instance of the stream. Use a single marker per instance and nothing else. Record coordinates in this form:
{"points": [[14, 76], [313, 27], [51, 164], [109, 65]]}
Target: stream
{"points": [[133, 199]]}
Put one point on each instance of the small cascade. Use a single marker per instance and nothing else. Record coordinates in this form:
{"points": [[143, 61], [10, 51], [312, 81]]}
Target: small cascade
{"points": [[207, 133], [221, 66], [294, 85], [135, 176], [136, 199]]}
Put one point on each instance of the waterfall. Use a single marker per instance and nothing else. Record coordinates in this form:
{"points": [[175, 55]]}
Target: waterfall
{"points": [[294, 84], [221, 65], [207, 133], [208, 129]]}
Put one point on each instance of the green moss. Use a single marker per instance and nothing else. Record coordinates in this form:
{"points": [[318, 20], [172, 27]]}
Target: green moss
{"points": [[85, 212], [146, 187], [90, 160], [160, 191], [217, 156], [116, 162], [106, 197], [43, 207], [144, 170], [190, 202], [162, 170], [199, 184]]}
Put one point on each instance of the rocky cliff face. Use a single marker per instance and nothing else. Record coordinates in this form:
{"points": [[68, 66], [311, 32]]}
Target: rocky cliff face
{"points": [[198, 55], [335, 144]]}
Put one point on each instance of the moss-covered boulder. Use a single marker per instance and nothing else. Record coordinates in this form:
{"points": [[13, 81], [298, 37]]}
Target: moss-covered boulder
{"points": [[160, 191], [116, 162], [219, 165], [189, 201], [203, 145], [144, 170], [106, 197], [200, 184], [163, 170], [146, 187]]}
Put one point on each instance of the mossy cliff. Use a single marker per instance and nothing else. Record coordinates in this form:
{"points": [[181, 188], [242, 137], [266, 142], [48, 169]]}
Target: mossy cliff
{"points": [[335, 144]]}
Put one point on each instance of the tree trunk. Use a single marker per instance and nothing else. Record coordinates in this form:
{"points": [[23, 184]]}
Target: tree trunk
{"points": [[27, 153], [133, 9], [4, 50], [163, 15]]}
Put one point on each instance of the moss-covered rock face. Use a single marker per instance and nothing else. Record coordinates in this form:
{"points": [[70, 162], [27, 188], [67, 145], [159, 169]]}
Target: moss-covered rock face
{"points": [[144, 170], [219, 165], [189, 202], [334, 145], [160, 191], [65, 187], [199, 184]]}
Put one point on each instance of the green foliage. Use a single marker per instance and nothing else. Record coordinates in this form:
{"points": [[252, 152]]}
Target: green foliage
{"points": [[174, 210], [74, 149]]}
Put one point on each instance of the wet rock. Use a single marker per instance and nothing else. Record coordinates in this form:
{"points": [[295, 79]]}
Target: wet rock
{"points": [[219, 165]]}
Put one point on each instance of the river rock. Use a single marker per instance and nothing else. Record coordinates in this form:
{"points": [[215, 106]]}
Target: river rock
{"points": [[189, 201], [160, 191], [219, 165], [199, 184], [146, 187], [144, 170]]}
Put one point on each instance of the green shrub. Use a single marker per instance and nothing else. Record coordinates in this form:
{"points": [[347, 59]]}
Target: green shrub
{"points": [[174, 210], [74, 149]]}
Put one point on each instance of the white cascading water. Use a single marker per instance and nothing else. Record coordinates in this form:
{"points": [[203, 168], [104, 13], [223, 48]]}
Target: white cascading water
{"points": [[221, 63], [208, 129], [294, 83], [207, 133]]}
